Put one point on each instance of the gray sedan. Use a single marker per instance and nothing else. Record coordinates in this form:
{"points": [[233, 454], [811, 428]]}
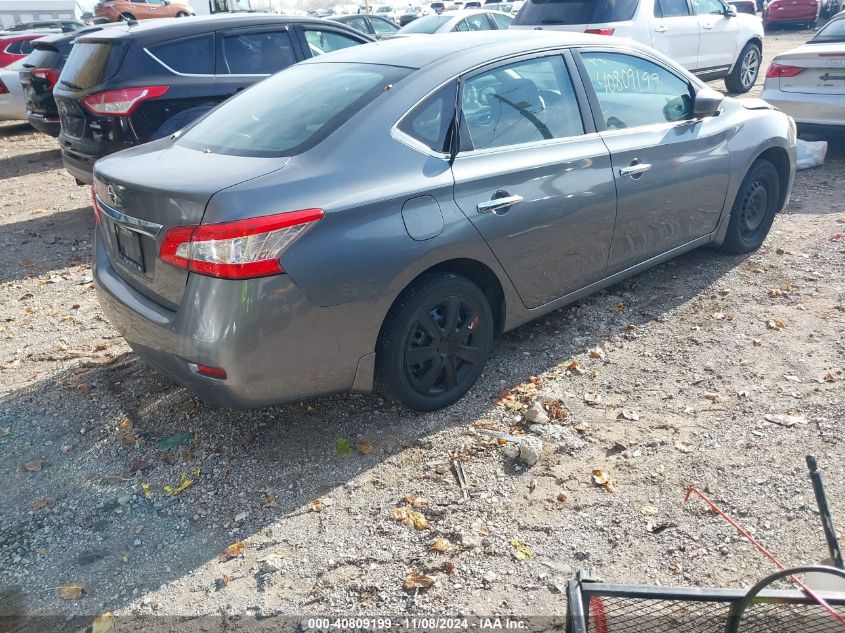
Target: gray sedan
{"points": [[12, 102], [372, 218]]}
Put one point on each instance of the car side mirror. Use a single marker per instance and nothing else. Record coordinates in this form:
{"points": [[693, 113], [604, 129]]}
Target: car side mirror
{"points": [[731, 11], [707, 102]]}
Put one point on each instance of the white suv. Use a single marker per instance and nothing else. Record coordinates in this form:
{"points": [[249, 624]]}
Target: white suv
{"points": [[707, 37]]}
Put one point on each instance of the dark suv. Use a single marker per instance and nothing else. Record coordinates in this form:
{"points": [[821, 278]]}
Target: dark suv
{"points": [[39, 74], [134, 83]]}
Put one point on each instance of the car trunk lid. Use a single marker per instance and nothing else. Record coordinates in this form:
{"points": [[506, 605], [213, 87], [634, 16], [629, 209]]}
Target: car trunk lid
{"points": [[143, 193], [823, 69]]}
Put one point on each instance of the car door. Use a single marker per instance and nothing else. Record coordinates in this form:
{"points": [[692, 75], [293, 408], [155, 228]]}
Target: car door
{"points": [[718, 35], [534, 177], [247, 55], [675, 31], [671, 169]]}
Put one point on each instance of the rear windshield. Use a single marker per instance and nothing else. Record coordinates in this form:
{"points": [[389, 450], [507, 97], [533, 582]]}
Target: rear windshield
{"points": [[833, 31], [291, 111], [40, 58], [90, 64], [568, 12], [425, 24]]}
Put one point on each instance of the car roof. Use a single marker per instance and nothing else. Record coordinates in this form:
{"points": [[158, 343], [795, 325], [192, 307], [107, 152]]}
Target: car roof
{"points": [[177, 27], [418, 52]]}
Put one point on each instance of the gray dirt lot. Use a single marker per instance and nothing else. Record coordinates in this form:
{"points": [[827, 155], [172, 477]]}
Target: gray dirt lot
{"points": [[690, 354]]}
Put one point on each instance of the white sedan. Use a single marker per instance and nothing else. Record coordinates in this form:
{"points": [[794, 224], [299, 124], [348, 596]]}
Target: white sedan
{"points": [[808, 82], [12, 103], [465, 20]]}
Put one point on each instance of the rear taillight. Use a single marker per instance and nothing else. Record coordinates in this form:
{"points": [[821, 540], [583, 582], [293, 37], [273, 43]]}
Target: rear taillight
{"points": [[604, 31], [780, 70], [3, 88], [121, 102], [49, 75], [236, 250]]}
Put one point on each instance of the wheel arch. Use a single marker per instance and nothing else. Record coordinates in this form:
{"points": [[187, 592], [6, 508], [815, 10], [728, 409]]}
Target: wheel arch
{"points": [[754, 39], [779, 157]]}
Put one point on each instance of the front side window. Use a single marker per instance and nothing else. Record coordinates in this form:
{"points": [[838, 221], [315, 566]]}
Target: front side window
{"points": [[358, 23], [191, 56], [633, 91], [708, 7], [430, 121], [320, 42], [518, 103], [384, 27], [671, 8], [258, 53], [292, 111]]}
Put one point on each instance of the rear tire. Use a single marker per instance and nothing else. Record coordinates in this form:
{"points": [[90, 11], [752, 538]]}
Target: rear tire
{"points": [[434, 342], [127, 17], [181, 14], [754, 209], [746, 69]]}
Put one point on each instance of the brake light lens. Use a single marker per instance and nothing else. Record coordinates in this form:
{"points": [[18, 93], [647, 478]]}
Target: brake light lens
{"points": [[49, 75], [781, 70], [121, 102], [208, 370], [604, 31], [3, 88], [237, 250]]}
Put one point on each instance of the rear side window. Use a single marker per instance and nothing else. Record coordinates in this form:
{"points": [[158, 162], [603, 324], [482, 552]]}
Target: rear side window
{"points": [[671, 8], [258, 53], [321, 42], [429, 122], [358, 23], [90, 64], [576, 11], [291, 111], [712, 7], [383, 26], [502, 21], [191, 56], [477, 22], [40, 58]]}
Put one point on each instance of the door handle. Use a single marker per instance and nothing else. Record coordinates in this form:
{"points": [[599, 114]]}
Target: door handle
{"points": [[661, 28], [497, 204], [635, 169]]}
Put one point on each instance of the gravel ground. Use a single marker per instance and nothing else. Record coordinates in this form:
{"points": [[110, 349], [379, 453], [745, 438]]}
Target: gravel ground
{"points": [[669, 379]]}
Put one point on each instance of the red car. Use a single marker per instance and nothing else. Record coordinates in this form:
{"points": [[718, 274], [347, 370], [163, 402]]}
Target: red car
{"points": [[15, 47], [791, 12]]}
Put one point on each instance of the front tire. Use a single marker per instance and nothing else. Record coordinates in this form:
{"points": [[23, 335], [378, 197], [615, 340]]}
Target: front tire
{"points": [[754, 209], [434, 342], [745, 71]]}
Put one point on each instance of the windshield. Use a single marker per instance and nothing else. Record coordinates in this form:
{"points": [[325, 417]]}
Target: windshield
{"points": [[833, 31], [291, 111], [425, 24]]}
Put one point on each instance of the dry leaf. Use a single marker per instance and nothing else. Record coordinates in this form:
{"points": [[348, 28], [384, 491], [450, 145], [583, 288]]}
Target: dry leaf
{"points": [[233, 551], [628, 414], [139, 464], [147, 490], [103, 623], [414, 500], [409, 517], [602, 478], [317, 506], [775, 324], [618, 308], [683, 447], [440, 544], [712, 397], [73, 590], [555, 410], [775, 292], [126, 424], [43, 502], [184, 483], [828, 377], [417, 581], [128, 439], [597, 352], [521, 551], [269, 501], [34, 466], [365, 448]]}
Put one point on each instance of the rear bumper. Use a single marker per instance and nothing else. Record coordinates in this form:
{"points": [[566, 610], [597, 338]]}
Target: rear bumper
{"points": [[273, 342], [44, 125], [789, 18], [79, 166], [807, 108]]}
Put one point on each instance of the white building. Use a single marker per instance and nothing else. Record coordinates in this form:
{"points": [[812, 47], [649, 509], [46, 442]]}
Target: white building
{"points": [[14, 11]]}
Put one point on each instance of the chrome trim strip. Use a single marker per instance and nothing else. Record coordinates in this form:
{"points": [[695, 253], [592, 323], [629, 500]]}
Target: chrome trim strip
{"points": [[150, 229], [206, 75]]}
